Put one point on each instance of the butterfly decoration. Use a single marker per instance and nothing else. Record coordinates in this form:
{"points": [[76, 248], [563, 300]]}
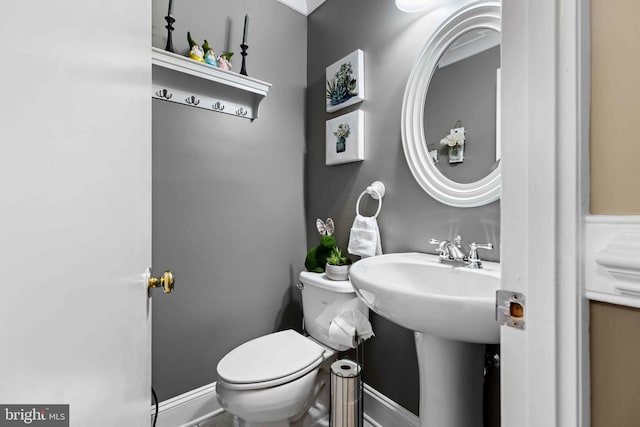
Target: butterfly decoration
{"points": [[325, 228]]}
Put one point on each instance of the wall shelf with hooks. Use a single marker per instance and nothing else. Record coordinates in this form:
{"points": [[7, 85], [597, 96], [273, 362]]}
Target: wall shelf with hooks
{"points": [[184, 81]]}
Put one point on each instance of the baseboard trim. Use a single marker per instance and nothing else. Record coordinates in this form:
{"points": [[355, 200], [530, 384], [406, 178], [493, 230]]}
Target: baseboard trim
{"points": [[199, 405], [188, 409], [381, 411]]}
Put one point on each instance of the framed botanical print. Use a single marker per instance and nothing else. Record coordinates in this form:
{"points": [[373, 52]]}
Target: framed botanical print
{"points": [[345, 138], [345, 81]]}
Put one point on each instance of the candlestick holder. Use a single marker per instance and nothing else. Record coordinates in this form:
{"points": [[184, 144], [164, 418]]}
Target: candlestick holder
{"points": [[243, 69], [170, 20]]}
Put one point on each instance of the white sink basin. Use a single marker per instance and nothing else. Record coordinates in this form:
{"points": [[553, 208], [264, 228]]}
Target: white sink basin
{"points": [[451, 309], [418, 292]]}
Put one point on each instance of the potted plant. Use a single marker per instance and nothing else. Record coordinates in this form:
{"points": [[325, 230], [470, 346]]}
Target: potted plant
{"points": [[455, 143], [337, 267], [341, 135]]}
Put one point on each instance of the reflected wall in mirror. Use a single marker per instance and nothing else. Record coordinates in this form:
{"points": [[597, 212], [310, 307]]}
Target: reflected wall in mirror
{"points": [[455, 83], [463, 93]]}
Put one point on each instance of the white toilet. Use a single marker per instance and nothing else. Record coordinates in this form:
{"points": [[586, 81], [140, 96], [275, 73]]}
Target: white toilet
{"points": [[282, 379]]}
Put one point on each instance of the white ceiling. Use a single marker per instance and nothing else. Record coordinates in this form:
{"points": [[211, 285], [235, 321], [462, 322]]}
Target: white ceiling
{"points": [[305, 7]]}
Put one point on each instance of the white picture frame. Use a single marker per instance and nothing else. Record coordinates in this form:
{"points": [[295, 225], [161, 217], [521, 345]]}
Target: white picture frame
{"points": [[345, 139], [344, 83]]}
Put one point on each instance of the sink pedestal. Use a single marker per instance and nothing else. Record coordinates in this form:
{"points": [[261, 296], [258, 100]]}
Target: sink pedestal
{"points": [[452, 310], [451, 381]]}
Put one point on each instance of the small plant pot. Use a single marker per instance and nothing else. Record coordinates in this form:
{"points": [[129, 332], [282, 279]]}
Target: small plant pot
{"points": [[337, 272]]}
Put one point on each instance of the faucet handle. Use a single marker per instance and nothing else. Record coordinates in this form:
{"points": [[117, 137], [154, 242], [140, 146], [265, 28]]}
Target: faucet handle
{"points": [[440, 243], [474, 260], [458, 241], [442, 247], [487, 246]]}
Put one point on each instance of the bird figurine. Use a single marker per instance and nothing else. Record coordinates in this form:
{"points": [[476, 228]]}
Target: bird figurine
{"points": [[196, 53]]}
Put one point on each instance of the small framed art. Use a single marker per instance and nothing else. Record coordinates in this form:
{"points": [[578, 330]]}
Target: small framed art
{"points": [[345, 138], [345, 81]]}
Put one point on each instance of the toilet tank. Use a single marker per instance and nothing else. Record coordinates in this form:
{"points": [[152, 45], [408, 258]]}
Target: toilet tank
{"points": [[324, 299]]}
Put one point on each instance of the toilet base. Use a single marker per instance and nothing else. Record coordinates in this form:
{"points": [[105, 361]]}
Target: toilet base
{"points": [[303, 402], [314, 414]]}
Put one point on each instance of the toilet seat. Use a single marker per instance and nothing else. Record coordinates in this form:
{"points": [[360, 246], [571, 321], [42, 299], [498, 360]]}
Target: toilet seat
{"points": [[269, 361]]}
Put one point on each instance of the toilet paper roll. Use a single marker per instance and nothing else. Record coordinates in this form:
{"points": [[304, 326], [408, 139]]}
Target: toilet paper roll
{"points": [[346, 394], [342, 334], [349, 329]]}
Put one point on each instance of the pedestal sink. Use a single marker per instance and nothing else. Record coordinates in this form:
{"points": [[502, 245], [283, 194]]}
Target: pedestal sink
{"points": [[451, 310]]}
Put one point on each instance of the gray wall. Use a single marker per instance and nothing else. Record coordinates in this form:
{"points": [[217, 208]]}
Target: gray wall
{"points": [[391, 41], [228, 210], [229, 215], [465, 91]]}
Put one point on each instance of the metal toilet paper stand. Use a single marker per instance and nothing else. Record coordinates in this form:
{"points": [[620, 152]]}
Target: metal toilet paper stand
{"points": [[347, 395]]}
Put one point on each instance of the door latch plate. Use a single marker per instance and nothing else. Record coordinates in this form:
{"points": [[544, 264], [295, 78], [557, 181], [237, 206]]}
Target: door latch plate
{"points": [[510, 309]]}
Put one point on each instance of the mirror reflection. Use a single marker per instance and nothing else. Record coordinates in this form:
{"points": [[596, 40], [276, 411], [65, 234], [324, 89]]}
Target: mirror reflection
{"points": [[460, 112]]}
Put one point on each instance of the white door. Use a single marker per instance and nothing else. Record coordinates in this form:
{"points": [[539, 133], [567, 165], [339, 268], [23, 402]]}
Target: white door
{"points": [[75, 208], [545, 118]]}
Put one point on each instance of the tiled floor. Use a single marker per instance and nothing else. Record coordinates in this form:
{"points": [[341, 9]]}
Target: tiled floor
{"points": [[222, 420], [226, 420]]}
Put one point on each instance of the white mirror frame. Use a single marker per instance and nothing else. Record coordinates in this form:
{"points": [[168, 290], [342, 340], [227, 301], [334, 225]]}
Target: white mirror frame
{"points": [[479, 15]]}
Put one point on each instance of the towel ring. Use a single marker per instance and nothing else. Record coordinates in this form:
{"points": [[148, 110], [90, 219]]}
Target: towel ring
{"points": [[375, 190]]}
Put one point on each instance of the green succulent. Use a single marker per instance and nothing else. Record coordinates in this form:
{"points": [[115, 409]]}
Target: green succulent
{"points": [[336, 94], [351, 87], [344, 74], [331, 87], [342, 86], [337, 258]]}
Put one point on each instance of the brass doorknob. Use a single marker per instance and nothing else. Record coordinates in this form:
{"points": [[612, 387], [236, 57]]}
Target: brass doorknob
{"points": [[166, 282]]}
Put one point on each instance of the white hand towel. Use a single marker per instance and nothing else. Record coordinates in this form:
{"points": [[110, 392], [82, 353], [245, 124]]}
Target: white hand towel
{"points": [[364, 239]]}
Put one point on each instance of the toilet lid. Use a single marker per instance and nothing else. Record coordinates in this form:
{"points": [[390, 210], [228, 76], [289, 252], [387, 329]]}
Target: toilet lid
{"points": [[270, 360]]}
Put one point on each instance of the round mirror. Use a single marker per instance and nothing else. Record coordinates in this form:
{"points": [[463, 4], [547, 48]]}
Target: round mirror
{"points": [[450, 114]]}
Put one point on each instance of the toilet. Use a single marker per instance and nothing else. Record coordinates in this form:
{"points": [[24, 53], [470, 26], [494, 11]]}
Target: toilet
{"points": [[282, 379]]}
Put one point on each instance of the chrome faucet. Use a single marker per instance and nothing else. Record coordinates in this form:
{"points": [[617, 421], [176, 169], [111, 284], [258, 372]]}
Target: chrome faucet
{"points": [[453, 252], [450, 252], [473, 259]]}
